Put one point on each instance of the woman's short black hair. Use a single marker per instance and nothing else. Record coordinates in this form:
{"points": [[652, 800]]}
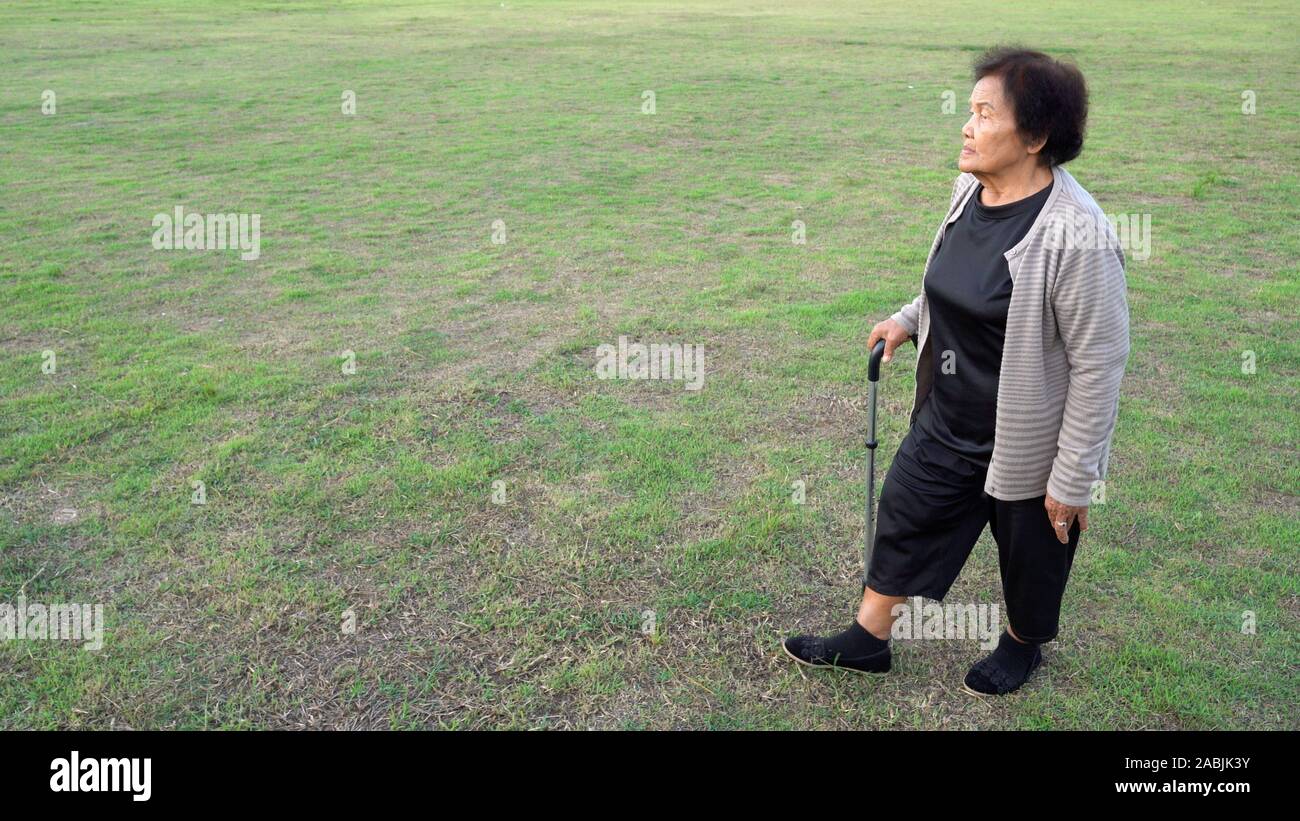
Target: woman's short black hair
{"points": [[1051, 98]]}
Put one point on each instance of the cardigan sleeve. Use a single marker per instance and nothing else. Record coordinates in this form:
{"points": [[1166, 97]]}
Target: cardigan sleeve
{"points": [[1091, 308], [910, 314]]}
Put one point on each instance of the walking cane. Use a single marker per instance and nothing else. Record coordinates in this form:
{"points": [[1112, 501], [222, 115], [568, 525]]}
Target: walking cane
{"points": [[873, 378]]}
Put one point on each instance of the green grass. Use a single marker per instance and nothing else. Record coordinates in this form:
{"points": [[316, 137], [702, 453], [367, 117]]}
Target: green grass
{"points": [[474, 361]]}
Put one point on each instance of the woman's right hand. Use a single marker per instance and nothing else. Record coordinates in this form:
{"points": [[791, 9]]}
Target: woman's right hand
{"points": [[893, 334]]}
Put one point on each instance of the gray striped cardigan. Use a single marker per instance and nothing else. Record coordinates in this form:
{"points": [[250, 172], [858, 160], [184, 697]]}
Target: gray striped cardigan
{"points": [[1064, 353]]}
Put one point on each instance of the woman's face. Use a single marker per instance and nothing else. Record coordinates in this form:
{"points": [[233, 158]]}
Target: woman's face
{"points": [[991, 143]]}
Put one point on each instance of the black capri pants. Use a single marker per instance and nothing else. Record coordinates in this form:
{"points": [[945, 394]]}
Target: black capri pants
{"points": [[932, 510]]}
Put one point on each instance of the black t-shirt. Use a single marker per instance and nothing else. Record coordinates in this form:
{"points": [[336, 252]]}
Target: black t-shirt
{"points": [[968, 290]]}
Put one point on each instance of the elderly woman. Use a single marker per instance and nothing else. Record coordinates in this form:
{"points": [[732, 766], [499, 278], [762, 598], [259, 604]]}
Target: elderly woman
{"points": [[1021, 331]]}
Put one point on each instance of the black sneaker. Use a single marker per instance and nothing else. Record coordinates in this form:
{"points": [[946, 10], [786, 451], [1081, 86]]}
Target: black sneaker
{"points": [[987, 678], [811, 651]]}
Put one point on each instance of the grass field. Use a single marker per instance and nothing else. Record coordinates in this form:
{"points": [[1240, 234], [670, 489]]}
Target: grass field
{"points": [[372, 492]]}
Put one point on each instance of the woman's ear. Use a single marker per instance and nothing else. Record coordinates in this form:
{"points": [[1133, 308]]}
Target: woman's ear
{"points": [[1034, 146]]}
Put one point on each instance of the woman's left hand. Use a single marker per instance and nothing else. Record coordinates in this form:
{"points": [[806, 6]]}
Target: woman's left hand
{"points": [[1062, 516]]}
